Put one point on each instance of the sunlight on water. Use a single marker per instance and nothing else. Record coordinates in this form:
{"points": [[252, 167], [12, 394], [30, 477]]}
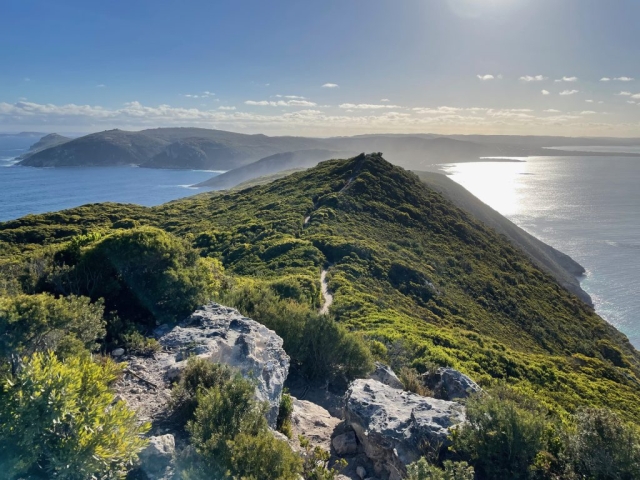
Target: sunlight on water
{"points": [[586, 207], [495, 183]]}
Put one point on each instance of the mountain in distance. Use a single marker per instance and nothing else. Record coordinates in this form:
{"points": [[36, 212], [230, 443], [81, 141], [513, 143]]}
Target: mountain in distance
{"points": [[218, 150], [103, 149], [270, 165], [45, 142], [167, 148]]}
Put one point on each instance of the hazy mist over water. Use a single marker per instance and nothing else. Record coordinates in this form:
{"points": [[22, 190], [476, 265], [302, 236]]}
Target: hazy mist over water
{"points": [[587, 207]]}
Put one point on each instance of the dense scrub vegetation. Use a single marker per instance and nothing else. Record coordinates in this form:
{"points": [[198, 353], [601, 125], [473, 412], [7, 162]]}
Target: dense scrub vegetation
{"points": [[59, 420], [416, 283]]}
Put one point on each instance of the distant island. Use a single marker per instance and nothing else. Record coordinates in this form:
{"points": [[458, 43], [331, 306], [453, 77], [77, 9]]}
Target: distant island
{"points": [[199, 148]]}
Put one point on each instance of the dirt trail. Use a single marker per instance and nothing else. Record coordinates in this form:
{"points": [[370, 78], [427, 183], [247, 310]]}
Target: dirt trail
{"points": [[327, 298]]}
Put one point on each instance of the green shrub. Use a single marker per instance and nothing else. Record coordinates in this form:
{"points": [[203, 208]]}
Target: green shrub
{"points": [[230, 434], [59, 420], [144, 274], [137, 344], [283, 423], [36, 323], [503, 435], [199, 374], [318, 346], [422, 470], [603, 447], [316, 462]]}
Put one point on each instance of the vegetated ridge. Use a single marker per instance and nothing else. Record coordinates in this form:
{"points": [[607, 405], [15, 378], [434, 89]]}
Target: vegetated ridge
{"points": [[422, 280]]}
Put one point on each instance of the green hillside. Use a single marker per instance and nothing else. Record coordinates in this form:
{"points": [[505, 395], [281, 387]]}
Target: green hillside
{"points": [[422, 281]]}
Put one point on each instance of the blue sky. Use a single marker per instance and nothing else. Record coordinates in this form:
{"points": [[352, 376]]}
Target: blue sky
{"points": [[323, 68]]}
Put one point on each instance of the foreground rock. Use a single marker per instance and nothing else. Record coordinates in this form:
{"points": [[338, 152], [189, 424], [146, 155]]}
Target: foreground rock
{"points": [[393, 425], [449, 384], [216, 333], [156, 460], [314, 422]]}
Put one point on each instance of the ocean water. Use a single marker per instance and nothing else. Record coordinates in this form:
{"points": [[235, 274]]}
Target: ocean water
{"points": [[586, 207], [25, 190]]}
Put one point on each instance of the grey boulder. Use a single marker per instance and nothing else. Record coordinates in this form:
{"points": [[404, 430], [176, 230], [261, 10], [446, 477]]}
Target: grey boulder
{"points": [[384, 374], [156, 460], [394, 425], [218, 334], [449, 384]]}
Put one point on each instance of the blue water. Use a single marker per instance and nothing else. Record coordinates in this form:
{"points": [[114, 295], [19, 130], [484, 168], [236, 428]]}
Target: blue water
{"points": [[25, 190], [587, 207]]}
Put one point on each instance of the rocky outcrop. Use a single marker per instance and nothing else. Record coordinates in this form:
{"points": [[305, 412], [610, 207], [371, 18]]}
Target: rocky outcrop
{"points": [[216, 333], [449, 384], [384, 374], [156, 460], [314, 422], [393, 426]]}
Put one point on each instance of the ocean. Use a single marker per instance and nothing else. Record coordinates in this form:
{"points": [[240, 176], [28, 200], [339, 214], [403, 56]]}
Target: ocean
{"points": [[25, 190], [586, 207]]}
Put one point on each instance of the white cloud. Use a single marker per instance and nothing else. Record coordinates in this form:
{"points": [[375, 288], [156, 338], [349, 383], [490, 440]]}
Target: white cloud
{"points": [[384, 100], [280, 103], [601, 101], [545, 92], [636, 96], [294, 97], [27, 79], [624, 79], [330, 85], [567, 79], [101, 85], [487, 77], [365, 106], [204, 94], [569, 92], [315, 122], [605, 79], [552, 110], [624, 94], [226, 108], [587, 112], [529, 78], [589, 101], [631, 101]]}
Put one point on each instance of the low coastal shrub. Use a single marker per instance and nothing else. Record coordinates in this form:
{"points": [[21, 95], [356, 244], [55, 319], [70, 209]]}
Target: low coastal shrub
{"points": [[231, 437], [37, 323], [422, 470], [59, 420], [319, 347]]}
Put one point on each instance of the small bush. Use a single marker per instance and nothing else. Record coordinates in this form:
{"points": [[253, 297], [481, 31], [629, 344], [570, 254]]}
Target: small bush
{"points": [[503, 435], [231, 437], [137, 344], [603, 447], [318, 346], [59, 420], [283, 423], [422, 470], [412, 381], [316, 462], [37, 323], [199, 374]]}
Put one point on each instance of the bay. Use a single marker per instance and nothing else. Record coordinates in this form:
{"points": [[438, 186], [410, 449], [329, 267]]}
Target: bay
{"points": [[586, 207]]}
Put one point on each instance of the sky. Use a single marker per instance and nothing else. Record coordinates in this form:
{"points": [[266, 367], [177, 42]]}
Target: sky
{"points": [[323, 68]]}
